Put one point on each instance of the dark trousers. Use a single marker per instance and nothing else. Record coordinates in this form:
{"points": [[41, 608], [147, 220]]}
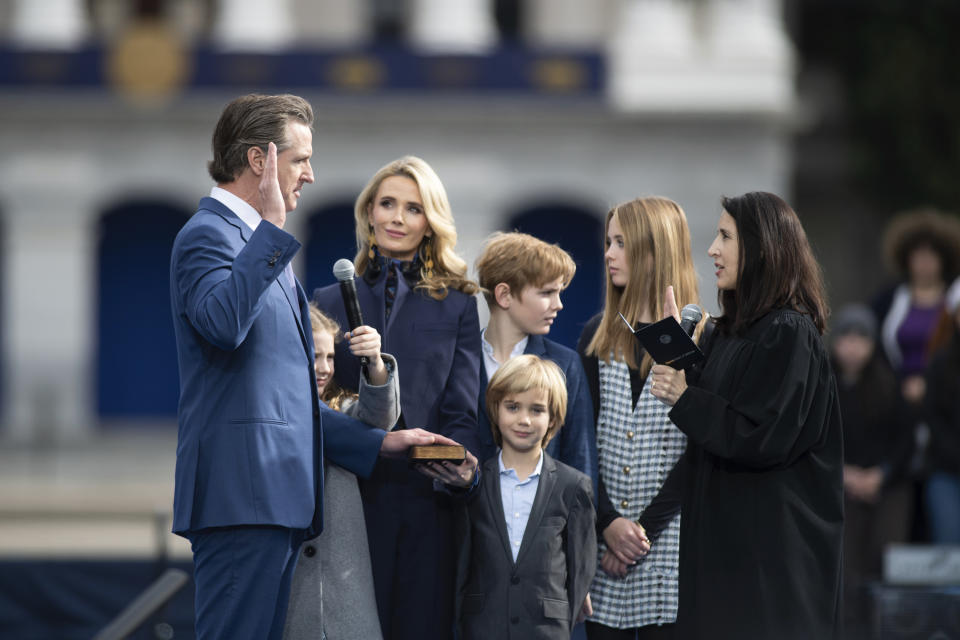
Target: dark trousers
{"points": [[867, 529], [410, 531], [243, 576], [650, 632]]}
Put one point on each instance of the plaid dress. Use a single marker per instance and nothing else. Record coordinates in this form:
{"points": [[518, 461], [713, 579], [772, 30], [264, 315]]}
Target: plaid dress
{"points": [[637, 449]]}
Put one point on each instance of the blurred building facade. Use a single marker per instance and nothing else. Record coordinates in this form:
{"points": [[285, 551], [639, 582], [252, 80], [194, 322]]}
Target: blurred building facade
{"points": [[536, 114]]}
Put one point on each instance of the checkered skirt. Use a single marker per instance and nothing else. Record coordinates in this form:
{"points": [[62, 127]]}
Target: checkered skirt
{"points": [[637, 449]]}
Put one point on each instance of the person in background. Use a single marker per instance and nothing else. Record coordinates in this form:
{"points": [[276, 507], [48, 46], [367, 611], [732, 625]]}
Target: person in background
{"points": [[942, 490], [922, 247], [635, 594], [413, 289], [332, 593], [522, 278], [877, 446], [762, 535]]}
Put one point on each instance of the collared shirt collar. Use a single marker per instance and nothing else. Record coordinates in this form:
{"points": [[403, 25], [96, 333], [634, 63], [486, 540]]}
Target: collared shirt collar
{"points": [[489, 362], [513, 473], [239, 206]]}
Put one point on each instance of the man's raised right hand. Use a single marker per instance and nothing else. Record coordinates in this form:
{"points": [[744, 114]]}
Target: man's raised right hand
{"points": [[272, 207]]}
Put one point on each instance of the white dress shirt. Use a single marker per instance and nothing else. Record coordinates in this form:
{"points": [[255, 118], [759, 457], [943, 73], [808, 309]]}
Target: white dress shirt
{"points": [[489, 362]]}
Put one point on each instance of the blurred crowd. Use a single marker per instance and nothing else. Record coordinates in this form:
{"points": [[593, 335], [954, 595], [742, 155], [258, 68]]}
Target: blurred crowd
{"points": [[896, 355]]}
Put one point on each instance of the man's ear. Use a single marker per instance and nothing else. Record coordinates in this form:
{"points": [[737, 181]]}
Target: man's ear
{"points": [[256, 158], [502, 295]]}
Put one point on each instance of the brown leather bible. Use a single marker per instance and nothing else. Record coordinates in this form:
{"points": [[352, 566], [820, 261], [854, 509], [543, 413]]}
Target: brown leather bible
{"points": [[437, 453]]}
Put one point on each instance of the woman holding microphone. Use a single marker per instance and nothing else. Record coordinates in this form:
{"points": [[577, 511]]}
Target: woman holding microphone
{"points": [[762, 500], [413, 289]]}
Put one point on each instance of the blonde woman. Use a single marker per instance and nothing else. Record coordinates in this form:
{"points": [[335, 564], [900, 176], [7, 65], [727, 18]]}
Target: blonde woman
{"points": [[634, 595], [413, 289], [332, 591]]}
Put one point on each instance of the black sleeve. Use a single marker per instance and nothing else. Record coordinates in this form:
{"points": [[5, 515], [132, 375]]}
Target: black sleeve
{"points": [[591, 367], [705, 342], [783, 404], [666, 504], [899, 441], [606, 512], [941, 406]]}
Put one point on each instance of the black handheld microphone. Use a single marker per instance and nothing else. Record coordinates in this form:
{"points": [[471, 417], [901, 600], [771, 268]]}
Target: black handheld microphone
{"points": [[690, 315], [343, 271]]}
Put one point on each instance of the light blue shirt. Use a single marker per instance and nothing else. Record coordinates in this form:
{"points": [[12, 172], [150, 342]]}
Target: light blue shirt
{"points": [[517, 497], [489, 362]]}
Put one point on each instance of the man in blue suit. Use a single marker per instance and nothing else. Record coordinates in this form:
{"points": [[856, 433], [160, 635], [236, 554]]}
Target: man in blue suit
{"points": [[253, 433]]}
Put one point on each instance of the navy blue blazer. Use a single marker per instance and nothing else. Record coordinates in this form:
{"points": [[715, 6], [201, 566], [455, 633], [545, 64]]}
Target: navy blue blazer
{"points": [[437, 347], [575, 444], [252, 432]]}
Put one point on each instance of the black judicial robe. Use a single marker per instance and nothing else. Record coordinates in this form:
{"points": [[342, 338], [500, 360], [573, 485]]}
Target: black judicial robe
{"points": [[761, 541]]}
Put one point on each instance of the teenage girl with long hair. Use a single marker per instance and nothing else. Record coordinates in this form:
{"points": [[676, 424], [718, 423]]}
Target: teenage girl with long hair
{"points": [[634, 595]]}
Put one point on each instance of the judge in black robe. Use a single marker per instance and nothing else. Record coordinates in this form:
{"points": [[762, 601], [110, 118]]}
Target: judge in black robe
{"points": [[762, 498]]}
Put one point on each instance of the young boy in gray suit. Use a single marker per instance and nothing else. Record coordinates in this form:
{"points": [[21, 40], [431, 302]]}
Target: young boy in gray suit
{"points": [[528, 546]]}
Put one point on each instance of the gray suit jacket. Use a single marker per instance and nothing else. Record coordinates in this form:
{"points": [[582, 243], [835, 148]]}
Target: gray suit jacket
{"points": [[332, 591], [540, 594]]}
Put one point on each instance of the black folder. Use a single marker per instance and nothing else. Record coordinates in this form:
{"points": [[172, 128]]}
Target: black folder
{"points": [[667, 343]]}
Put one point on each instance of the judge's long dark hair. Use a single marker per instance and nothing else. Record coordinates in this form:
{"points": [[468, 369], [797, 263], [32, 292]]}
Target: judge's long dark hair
{"points": [[776, 268]]}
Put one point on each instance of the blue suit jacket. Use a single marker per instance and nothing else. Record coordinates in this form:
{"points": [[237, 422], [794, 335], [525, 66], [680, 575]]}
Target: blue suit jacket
{"points": [[575, 444], [252, 429], [437, 347]]}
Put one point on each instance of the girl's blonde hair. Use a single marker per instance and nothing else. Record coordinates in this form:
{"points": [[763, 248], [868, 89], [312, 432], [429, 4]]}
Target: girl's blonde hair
{"points": [[523, 373], [321, 323], [657, 245], [449, 270]]}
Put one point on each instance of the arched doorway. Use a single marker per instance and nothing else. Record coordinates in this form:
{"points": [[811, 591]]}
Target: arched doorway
{"points": [[330, 236], [579, 231], [137, 375]]}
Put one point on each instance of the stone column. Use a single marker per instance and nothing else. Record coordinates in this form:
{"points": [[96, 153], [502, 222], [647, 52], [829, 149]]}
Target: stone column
{"points": [[748, 29], [254, 25], [701, 56], [747, 44], [452, 26], [567, 23], [49, 297], [652, 47], [332, 22], [51, 24]]}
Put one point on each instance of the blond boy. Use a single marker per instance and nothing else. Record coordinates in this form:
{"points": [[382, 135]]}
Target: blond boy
{"points": [[522, 278], [534, 582]]}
